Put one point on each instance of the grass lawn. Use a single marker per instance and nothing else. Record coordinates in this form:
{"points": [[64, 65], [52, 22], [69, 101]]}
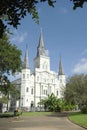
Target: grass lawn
{"points": [[35, 113], [11, 114], [79, 118]]}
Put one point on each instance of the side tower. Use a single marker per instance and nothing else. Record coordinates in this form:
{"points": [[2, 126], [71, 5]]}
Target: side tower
{"points": [[61, 77], [25, 82]]}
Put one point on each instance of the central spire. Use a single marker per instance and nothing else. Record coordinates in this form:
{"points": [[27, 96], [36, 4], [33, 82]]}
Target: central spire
{"points": [[26, 63], [40, 49]]}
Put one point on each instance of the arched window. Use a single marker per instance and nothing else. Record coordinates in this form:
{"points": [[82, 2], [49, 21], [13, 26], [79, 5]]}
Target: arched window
{"points": [[32, 91], [57, 93], [27, 89], [28, 76], [23, 76]]}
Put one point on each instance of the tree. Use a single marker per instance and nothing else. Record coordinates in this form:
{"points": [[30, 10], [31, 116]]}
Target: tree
{"points": [[10, 62], [76, 90], [7, 89], [12, 11], [51, 103], [78, 3]]}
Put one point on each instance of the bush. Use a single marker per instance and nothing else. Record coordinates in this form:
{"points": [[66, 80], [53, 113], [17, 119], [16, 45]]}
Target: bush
{"points": [[6, 115], [84, 109], [57, 109]]}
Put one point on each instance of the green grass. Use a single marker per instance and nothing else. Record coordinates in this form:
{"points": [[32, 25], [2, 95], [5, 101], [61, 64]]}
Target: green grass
{"points": [[11, 114], [35, 113], [8, 114], [79, 118]]}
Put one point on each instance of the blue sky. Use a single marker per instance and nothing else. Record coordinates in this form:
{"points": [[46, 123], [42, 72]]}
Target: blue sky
{"points": [[64, 32]]}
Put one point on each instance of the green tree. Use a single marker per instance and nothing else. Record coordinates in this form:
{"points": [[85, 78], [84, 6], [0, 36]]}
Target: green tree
{"points": [[10, 62], [78, 3], [51, 103], [8, 91], [76, 90], [12, 11]]}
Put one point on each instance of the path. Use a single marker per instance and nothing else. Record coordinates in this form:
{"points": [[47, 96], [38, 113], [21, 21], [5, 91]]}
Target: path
{"points": [[46, 122]]}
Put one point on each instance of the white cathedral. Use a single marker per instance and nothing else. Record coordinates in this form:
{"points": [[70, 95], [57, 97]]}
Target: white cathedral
{"points": [[42, 82]]}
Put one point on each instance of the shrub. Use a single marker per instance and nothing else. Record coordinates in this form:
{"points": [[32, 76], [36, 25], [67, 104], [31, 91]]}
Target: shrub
{"points": [[84, 109]]}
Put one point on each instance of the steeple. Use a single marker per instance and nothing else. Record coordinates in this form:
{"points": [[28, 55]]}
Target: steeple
{"points": [[26, 63], [40, 49], [61, 71]]}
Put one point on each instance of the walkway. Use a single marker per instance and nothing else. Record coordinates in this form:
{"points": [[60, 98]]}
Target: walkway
{"points": [[46, 122]]}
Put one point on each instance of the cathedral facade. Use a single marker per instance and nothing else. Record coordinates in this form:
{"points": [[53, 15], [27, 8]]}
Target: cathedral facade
{"points": [[42, 82]]}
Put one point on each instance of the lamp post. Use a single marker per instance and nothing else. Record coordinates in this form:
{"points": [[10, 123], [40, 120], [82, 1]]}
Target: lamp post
{"points": [[40, 96], [34, 91], [21, 103]]}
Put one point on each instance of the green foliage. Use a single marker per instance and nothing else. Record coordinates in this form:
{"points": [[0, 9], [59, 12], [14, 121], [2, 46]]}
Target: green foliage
{"points": [[78, 3], [3, 99], [84, 109], [50, 103], [6, 87], [65, 106], [12, 11], [69, 107], [6, 115], [10, 60], [53, 104], [36, 113], [17, 113], [4, 84], [76, 90]]}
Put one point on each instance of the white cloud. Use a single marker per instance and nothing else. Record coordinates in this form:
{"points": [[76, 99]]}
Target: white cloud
{"points": [[81, 66], [18, 37]]}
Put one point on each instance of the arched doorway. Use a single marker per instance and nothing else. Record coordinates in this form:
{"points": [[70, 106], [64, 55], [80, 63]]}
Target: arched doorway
{"points": [[32, 105]]}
